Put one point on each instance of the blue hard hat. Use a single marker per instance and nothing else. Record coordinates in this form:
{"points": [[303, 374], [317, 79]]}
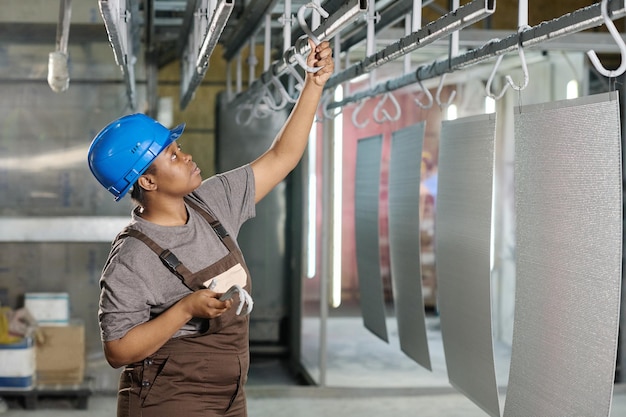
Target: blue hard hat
{"points": [[125, 148]]}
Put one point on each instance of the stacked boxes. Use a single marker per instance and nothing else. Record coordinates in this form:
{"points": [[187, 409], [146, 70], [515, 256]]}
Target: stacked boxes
{"points": [[60, 354], [17, 365], [60, 346], [48, 308]]}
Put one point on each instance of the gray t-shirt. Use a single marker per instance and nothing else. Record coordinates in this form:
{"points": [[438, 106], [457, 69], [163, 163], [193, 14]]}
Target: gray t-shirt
{"points": [[136, 286]]}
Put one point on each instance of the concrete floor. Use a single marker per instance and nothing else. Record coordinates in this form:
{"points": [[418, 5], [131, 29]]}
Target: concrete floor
{"points": [[365, 377], [290, 401]]}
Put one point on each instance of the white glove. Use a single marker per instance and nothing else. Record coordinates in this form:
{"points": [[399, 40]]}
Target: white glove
{"points": [[244, 298]]}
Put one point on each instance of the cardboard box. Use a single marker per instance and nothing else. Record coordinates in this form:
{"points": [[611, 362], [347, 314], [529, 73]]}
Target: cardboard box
{"points": [[48, 308], [60, 354], [17, 365]]}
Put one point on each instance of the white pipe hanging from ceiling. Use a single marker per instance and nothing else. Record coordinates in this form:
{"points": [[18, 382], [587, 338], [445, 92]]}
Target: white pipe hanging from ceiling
{"points": [[58, 73]]}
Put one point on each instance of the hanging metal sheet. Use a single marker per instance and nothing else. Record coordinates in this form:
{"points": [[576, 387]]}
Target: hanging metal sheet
{"points": [[463, 243], [367, 190], [568, 193], [404, 241]]}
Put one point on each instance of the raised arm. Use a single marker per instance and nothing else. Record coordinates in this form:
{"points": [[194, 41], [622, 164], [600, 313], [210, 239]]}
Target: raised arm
{"points": [[289, 145]]}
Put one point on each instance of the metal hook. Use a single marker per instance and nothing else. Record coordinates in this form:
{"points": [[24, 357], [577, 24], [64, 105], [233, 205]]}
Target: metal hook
{"points": [[355, 113], [490, 80], [299, 58], [328, 114], [297, 76], [509, 80], [438, 95], [269, 99], [618, 39], [254, 109], [428, 95], [282, 90], [305, 26], [240, 109], [379, 109]]}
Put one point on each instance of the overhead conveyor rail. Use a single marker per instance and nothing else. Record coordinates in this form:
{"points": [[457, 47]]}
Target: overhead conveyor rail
{"points": [[204, 33], [577, 21], [444, 26], [119, 21], [205, 21]]}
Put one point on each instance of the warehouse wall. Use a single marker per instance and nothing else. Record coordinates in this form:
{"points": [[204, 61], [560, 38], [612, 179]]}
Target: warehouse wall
{"points": [[44, 137]]}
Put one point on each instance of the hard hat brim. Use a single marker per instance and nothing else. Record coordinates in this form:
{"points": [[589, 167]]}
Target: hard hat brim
{"points": [[175, 133]]}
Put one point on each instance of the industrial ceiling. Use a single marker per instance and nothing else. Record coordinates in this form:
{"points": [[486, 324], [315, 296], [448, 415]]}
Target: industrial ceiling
{"points": [[155, 33]]}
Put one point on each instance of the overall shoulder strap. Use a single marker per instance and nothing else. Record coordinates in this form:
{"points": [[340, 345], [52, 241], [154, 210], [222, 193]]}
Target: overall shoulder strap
{"points": [[215, 224], [167, 257]]}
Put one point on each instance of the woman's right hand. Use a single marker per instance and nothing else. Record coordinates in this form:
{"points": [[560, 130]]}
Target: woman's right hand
{"points": [[205, 304], [145, 339]]}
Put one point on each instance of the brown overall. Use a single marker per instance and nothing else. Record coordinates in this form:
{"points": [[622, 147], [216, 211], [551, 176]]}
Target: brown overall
{"points": [[201, 375]]}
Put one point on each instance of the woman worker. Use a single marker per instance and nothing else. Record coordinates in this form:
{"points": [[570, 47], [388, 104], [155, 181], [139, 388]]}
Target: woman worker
{"points": [[185, 351]]}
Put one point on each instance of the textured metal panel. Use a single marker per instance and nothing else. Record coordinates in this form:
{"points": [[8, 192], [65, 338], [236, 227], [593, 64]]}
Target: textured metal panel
{"points": [[367, 189], [463, 243], [568, 193], [404, 241]]}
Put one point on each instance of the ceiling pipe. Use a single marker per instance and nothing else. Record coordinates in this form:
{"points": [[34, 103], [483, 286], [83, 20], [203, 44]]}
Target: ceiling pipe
{"points": [[343, 17], [58, 73], [195, 64]]}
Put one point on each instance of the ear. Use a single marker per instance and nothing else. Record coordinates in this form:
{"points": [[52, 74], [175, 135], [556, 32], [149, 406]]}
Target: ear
{"points": [[147, 182]]}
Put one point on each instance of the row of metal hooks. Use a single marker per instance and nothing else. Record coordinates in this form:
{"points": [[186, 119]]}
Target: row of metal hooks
{"points": [[264, 100], [261, 98]]}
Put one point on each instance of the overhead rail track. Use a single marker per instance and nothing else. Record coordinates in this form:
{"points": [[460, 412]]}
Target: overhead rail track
{"points": [[579, 20]]}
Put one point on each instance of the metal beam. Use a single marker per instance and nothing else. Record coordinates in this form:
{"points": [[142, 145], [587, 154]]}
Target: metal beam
{"points": [[195, 61], [388, 16], [444, 26], [61, 229], [601, 42], [579, 20], [117, 20]]}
